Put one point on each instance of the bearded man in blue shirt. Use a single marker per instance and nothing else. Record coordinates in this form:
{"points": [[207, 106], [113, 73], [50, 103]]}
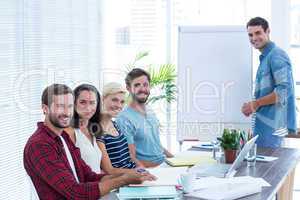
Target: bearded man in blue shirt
{"points": [[274, 111]]}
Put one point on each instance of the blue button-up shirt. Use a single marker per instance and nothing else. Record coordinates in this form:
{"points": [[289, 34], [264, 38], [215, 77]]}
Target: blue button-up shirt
{"points": [[274, 74]]}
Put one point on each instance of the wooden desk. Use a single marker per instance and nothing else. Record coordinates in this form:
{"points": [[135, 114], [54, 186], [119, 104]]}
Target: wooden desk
{"points": [[273, 172]]}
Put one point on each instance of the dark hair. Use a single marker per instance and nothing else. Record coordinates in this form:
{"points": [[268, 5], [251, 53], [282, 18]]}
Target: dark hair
{"points": [[94, 123], [258, 21], [135, 73], [54, 89]]}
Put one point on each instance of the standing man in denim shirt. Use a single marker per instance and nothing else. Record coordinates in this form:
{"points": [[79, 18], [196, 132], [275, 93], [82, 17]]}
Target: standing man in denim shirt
{"points": [[274, 105]]}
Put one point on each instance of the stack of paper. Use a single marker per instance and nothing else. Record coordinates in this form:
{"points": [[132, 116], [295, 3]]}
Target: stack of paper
{"points": [[227, 192], [212, 188]]}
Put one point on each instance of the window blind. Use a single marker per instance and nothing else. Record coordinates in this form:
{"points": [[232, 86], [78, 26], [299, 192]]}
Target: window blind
{"points": [[42, 42]]}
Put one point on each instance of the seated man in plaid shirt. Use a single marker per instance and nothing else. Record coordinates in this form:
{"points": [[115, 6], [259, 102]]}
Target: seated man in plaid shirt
{"points": [[54, 163]]}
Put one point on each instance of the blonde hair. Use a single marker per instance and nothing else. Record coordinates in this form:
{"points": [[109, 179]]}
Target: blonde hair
{"points": [[112, 88]]}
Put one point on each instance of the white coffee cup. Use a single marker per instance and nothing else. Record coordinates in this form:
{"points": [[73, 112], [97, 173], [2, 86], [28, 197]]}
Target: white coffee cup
{"points": [[186, 181]]}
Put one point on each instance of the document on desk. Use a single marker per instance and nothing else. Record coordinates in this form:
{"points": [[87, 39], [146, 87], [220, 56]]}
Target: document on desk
{"points": [[226, 192], [165, 176], [227, 188]]}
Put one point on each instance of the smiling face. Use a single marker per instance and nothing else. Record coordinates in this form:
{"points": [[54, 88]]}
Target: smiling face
{"points": [[60, 111], [86, 104], [258, 36], [113, 104], [140, 89]]}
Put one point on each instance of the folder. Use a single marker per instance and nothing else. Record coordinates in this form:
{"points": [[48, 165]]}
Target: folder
{"points": [[190, 161], [147, 192]]}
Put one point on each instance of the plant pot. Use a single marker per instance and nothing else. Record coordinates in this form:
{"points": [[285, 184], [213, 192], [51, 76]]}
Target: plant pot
{"points": [[230, 155]]}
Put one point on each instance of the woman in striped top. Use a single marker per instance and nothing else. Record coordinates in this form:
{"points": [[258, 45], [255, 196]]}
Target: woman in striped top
{"points": [[113, 142], [85, 129]]}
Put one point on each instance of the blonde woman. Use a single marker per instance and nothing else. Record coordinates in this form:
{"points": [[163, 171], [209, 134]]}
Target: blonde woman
{"points": [[113, 142], [85, 128]]}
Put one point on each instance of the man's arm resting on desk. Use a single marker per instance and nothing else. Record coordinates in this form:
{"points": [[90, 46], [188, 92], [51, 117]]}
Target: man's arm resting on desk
{"points": [[140, 163]]}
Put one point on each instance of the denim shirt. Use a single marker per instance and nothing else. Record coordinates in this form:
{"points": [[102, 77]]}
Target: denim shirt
{"points": [[274, 74]]}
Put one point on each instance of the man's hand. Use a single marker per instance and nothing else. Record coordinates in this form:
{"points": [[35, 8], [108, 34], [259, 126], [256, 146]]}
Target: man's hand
{"points": [[150, 177], [109, 183], [249, 108], [135, 178]]}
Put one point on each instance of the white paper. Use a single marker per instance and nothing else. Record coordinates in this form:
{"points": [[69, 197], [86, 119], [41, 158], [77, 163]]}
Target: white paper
{"points": [[208, 182], [226, 192], [165, 176], [227, 188]]}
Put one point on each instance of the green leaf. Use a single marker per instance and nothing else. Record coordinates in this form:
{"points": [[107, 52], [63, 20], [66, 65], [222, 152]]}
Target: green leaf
{"points": [[230, 139], [163, 76]]}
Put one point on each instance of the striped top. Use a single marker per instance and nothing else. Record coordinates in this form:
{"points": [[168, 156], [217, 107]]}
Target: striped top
{"points": [[117, 149]]}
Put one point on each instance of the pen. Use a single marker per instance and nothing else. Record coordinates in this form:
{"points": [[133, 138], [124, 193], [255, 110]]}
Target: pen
{"points": [[206, 145], [261, 157], [141, 170]]}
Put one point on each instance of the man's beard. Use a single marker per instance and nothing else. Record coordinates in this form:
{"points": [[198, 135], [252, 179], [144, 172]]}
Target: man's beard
{"points": [[55, 122], [140, 100]]}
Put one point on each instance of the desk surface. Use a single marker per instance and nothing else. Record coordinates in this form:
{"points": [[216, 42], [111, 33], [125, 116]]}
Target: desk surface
{"points": [[273, 172]]}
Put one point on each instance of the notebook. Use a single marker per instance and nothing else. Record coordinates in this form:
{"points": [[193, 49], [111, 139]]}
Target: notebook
{"points": [[165, 176], [190, 158], [189, 161], [147, 192]]}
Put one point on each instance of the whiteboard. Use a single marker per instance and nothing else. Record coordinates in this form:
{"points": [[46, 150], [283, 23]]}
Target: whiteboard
{"points": [[214, 76]]}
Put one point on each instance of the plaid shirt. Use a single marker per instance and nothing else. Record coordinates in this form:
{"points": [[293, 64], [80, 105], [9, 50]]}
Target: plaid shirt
{"points": [[46, 163]]}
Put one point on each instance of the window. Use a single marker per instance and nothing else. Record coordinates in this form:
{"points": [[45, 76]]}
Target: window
{"points": [[42, 42], [294, 50], [131, 27], [295, 42]]}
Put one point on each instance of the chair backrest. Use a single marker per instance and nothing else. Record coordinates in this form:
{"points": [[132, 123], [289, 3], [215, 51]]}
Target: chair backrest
{"points": [[33, 193]]}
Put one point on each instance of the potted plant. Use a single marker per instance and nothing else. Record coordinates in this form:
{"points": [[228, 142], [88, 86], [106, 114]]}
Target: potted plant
{"points": [[230, 142]]}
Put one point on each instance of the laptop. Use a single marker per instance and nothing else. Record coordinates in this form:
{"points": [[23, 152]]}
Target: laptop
{"points": [[224, 170]]}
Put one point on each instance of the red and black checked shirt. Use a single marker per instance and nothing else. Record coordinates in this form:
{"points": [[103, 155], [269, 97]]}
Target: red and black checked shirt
{"points": [[46, 163]]}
